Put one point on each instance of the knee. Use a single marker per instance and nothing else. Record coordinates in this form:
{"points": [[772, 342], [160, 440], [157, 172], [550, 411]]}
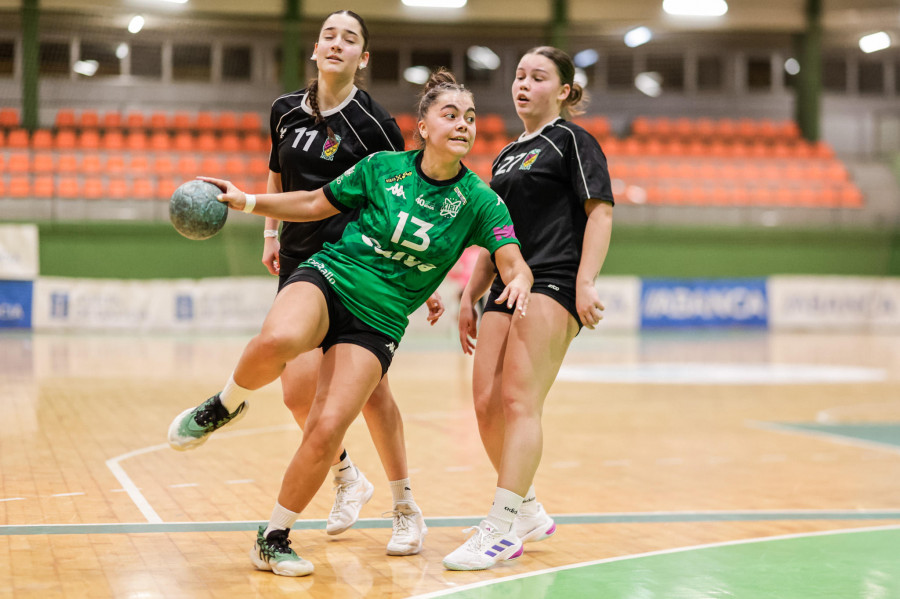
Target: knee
{"points": [[519, 406], [486, 409], [276, 345]]}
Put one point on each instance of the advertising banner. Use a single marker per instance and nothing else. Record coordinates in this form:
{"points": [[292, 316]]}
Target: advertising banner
{"points": [[672, 303]]}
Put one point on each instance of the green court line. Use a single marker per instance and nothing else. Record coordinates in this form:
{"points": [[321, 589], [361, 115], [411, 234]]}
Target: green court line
{"points": [[449, 522], [844, 564], [881, 433]]}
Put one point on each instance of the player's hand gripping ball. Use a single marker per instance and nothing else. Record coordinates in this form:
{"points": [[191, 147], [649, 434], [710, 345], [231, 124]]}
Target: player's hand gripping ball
{"points": [[195, 212]]}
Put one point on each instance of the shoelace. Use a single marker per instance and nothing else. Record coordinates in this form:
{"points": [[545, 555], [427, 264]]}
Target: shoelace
{"points": [[342, 491], [476, 540], [209, 412], [402, 520], [279, 541]]}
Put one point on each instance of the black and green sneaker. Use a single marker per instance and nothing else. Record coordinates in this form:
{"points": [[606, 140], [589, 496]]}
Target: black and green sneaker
{"points": [[274, 553], [193, 426]]}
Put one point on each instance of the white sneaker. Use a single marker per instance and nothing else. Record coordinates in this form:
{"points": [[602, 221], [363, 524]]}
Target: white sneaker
{"points": [[484, 549], [409, 529], [534, 526], [349, 498]]}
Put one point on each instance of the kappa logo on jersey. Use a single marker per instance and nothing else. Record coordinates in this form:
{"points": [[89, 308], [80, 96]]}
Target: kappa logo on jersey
{"points": [[530, 159], [421, 202], [450, 208], [397, 190], [331, 147], [391, 347], [504, 232], [397, 178]]}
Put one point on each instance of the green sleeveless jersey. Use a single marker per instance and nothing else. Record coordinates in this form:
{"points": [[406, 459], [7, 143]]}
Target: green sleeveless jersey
{"points": [[410, 232]]}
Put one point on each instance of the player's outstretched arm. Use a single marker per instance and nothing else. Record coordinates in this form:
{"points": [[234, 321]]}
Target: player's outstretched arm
{"points": [[517, 276], [296, 206]]}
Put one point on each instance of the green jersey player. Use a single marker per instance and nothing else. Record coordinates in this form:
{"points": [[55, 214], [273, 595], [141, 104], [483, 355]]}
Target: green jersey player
{"points": [[418, 211]]}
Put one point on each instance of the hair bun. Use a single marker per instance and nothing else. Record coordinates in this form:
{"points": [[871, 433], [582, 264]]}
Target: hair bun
{"points": [[440, 77]]}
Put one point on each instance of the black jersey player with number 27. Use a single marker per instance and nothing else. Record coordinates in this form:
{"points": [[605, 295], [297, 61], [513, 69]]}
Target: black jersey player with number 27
{"points": [[418, 211], [556, 184]]}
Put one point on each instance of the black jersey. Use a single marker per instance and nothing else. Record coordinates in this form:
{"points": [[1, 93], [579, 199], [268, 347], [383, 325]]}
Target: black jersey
{"points": [[307, 159], [545, 178]]}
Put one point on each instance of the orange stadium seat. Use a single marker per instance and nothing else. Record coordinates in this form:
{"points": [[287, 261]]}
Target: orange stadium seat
{"points": [[93, 188], [67, 164], [230, 142], [2, 187], [163, 166], [254, 142], [259, 167], [235, 166], [65, 118], [43, 162], [117, 188], [20, 187], [89, 119], [226, 121], [68, 187], [136, 141], [212, 166], [42, 139], [181, 121], [43, 186], [91, 164], [111, 120], [112, 141], [187, 167], [135, 120], [143, 188], [207, 142], [115, 165], [250, 122], [19, 163], [65, 140], [9, 118], [183, 142], [159, 120], [17, 138], [851, 197], [704, 127], [204, 121], [2, 138], [138, 164], [165, 186], [89, 140], [160, 141]]}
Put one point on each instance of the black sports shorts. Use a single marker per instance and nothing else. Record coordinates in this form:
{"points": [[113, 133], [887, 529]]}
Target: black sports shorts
{"points": [[560, 289], [343, 325]]}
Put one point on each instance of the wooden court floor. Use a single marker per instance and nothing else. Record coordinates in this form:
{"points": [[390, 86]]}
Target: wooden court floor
{"points": [[652, 442]]}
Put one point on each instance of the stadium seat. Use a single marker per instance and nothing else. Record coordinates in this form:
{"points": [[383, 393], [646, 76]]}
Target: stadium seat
{"points": [[207, 142], [254, 142], [204, 121], [65, 140], [163, 166], [259, 167], [89, 119], [67, 164], [112, 141], [143, 188], [165, 186], [115, 165], [226, 121], [406, 122], [65, 118], [138, 165], [9, 118], [230, 142], [111, 120], [136, 141], [212, 166], [19, 163], [159, 121], [183, 142], [135, 120], [250, 122], [43, 186], [93, 188], [91, 164], [17, 138], [117, 189], [68, 188], [160, 141], [42, 139], [181, 121], [43, 163], [187, 167], [89, 140], [235, 166], [19, 187]]}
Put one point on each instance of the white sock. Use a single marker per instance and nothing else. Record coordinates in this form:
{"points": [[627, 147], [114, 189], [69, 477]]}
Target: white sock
{"points": [[233, 395], [503, 512], [401, 490], [345, 470], [282, 519], [529, 504]]}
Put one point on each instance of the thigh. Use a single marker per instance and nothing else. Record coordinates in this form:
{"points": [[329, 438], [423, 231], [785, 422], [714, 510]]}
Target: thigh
{"points": [[299, 315], [536, 347], [301, 373], [490, 347], [348, 376]]}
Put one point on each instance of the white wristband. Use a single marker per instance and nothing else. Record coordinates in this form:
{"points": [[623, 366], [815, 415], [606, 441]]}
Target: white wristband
{"points": [[250, 200], [270, 233]]}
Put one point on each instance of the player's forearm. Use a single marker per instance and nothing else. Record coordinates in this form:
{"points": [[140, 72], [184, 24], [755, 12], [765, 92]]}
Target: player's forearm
{"points": [[480, 279], [512, 266], [294, 206], [596, 242]]}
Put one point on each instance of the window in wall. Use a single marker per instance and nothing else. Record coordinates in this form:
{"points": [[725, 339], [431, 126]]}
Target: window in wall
{"points": [[671, 68], [7, 58], [237, 63], [620, 71], [108, 63], [871, 77], [191, 62], [759, 73], [53, 59], [384, 65], [432, 59], [710, 73], [834, 74], [146, 60]]}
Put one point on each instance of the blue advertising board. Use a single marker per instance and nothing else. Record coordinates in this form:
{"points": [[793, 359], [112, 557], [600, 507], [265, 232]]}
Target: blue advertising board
{"points": [[673, 303], [15, 304]]}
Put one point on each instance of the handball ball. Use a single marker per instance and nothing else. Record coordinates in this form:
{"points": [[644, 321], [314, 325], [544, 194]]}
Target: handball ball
{"points": [[195, 212]]}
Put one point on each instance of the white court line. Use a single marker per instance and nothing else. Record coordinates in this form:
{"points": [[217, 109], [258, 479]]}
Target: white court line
{"points": [[138, 498], [610, 560], [12, 499], [74, 494]]}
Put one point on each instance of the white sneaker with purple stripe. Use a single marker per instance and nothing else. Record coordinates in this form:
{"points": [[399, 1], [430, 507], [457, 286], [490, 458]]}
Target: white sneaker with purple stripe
{"points": [[484, 548], [533, 524]]}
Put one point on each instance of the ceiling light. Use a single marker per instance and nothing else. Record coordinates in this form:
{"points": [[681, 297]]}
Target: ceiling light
{"points": [[638, 37], [695, 8], [649, 84], [482, 58], [586, 58], [174, 1], [791, 66], [874, 42], [86, 67], [417, 75], [135, 24], [435, 3], [580, 77], [121, 51]]}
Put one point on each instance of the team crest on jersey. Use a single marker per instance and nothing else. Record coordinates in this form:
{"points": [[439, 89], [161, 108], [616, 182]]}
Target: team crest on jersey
{"points": [[450, 208], [331, 146], [530, 159], [282, 133]]}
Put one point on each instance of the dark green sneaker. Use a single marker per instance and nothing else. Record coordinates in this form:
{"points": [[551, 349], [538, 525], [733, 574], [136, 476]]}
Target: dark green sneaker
{"points": [[274, 553], [193, 426]]}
